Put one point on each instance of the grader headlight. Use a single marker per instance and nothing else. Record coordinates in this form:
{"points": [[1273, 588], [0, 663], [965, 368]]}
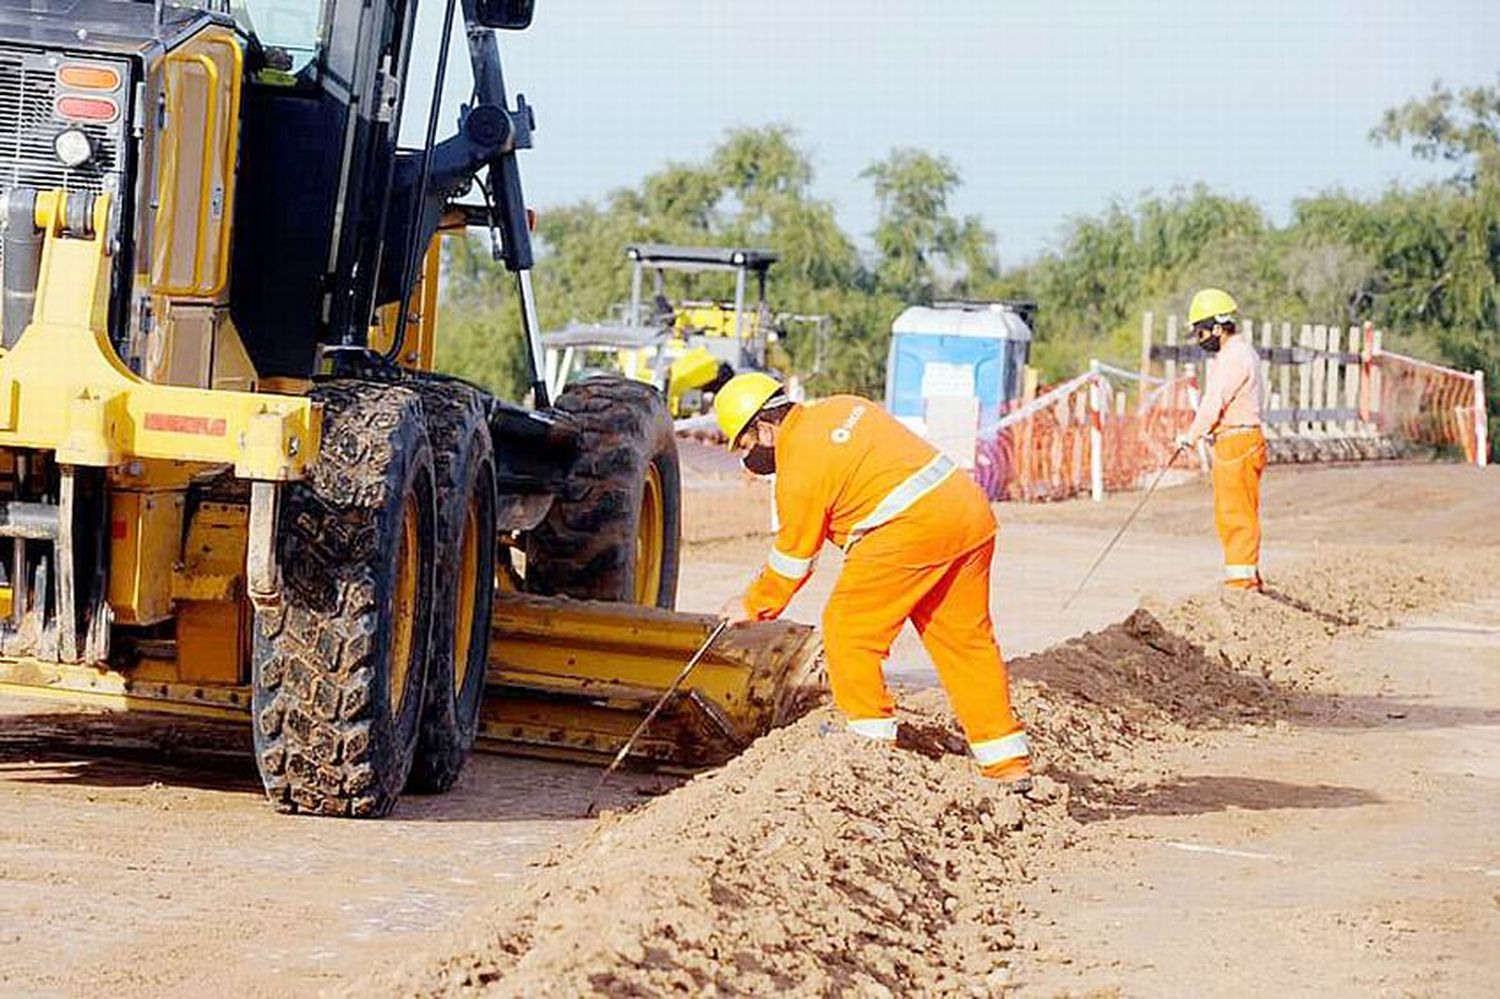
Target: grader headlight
{"points": [[73, 148]]}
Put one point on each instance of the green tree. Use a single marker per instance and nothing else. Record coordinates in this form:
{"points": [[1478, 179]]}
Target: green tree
{"points": [[924, 251], [1462, 128], [1460, 296], [479, 324], [754, 189]]}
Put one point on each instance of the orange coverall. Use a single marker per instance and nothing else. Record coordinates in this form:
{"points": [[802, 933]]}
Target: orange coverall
{"points": [[919, 536], [1230, 411]]}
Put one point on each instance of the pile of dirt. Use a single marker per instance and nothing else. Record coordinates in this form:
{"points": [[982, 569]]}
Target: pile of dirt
{"points": [[820, 862], [1091, 701], [1277, 633], [816, 862]]}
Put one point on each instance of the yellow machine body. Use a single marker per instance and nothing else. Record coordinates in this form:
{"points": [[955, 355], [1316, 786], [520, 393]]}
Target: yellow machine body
{"points": [[183, 449]]}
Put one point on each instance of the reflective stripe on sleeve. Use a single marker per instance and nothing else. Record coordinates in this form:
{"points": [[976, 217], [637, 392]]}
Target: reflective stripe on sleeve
{"points": [[1241, 572], [999, 750], [789, 566], [883, 729], [899, 500]]}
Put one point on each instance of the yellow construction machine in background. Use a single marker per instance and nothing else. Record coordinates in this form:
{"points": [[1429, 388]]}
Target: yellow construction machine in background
{"points": [[231, 484], [686, 348]]}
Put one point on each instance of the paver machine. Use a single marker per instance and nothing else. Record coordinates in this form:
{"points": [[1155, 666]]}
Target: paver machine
{"points": [[230, 483]]}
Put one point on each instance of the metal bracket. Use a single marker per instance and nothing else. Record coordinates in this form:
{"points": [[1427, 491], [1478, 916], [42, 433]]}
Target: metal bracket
{"points": [[262, 572]]}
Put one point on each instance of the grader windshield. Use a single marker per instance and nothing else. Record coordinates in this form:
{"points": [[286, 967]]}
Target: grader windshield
{"points": [[290, 34]]}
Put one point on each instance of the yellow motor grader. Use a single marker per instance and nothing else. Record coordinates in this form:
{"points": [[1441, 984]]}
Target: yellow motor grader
{"points": [[231, 485]]}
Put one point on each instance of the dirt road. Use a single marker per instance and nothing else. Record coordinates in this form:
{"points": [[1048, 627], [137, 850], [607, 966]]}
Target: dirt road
{"points": [[124, 872], [1351, 851]]}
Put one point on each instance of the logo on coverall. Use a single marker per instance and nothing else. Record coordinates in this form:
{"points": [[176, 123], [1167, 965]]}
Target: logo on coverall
{"points": [[844, 431]]}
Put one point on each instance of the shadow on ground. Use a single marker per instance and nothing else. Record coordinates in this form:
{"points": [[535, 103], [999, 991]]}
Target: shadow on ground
{"points": [[123, 752], [1203, 794]]}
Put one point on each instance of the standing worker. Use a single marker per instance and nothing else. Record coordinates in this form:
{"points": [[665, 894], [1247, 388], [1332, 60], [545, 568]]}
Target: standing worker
{"points": [[1229, 415], [919, 539]]}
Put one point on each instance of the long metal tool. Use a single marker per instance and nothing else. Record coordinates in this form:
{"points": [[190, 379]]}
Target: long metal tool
{"points": [[691, 664], [1123, 527]]}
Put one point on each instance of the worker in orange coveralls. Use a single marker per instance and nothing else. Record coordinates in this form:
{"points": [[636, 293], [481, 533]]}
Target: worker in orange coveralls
{"points": [[919, 536], [1229, 415]]}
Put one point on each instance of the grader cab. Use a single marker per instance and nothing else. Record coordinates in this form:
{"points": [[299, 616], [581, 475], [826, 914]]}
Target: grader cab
{"points": [[230, 483]]}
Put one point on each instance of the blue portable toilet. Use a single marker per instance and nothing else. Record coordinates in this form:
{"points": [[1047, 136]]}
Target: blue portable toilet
{"points": [[973, 349]]}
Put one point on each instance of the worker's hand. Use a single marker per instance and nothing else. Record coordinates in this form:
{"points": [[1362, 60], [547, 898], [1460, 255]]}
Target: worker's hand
{"points": [[1183, 442], [734, 611]]}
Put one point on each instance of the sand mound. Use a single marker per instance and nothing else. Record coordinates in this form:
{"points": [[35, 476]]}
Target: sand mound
{"points": [[815, 862], [1277, 633], [818, 862]]}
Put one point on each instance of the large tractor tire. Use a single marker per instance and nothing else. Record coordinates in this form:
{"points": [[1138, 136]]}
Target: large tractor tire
{"points": [[464, 459], [615, 530], [339, 667]]}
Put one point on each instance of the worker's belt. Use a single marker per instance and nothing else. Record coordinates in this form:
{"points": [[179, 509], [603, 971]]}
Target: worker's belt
{"points": [[921, 482], [1223, 432]]}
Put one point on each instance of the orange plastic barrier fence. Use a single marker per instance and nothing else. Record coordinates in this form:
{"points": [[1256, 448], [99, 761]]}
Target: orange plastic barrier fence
{"points": [[1045, 450], [1430, 404]]}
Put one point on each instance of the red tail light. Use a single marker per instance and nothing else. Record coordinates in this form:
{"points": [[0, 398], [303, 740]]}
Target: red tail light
{"points": [[87, 109]]}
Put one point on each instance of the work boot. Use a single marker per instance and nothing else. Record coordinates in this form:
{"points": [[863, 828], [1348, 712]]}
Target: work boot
{"points": [[1014, 774]]}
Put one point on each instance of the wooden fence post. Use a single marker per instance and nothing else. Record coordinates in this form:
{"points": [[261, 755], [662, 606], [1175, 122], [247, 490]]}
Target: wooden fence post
{"points": [[1481, 422], [1304, 382], [1331, 398], [1287, 428], [1265, 371], [1366, 374], [1319, 372], [1148, 326], [1025, 439], [1171, 366], [1096, 434], [1351, 383]]}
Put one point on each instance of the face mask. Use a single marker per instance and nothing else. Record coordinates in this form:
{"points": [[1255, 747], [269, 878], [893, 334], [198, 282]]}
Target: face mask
{"points": [[760, 460], [1210, 343]]}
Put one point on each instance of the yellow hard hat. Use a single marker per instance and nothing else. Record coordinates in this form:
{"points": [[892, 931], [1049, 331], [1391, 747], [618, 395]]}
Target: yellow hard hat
{"points": [[1211, 303], [740, 399]]}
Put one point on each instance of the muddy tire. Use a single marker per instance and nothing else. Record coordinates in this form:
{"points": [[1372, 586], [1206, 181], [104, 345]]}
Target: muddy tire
{"points": [[614, 532], [338, 667], [464, 461]]}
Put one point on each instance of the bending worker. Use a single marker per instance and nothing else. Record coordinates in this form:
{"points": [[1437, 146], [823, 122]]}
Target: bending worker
{"points": [[1229, 415], [919, 537]]}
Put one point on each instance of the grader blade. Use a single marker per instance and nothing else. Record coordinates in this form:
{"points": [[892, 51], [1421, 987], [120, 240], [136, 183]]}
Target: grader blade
{"points": [[571, 679]]}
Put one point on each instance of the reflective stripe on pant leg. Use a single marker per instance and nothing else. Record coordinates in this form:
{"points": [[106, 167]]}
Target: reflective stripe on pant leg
{"points": [[1242, 572], [994, 751], [883, 729], [869, 604]]}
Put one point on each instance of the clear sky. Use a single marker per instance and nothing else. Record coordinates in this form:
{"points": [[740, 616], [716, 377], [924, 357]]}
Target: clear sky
{"points": [[1049, 109]]}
